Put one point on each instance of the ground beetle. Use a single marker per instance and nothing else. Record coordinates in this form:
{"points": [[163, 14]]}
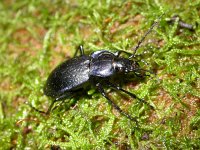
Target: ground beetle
{"points": [[98, 69]]}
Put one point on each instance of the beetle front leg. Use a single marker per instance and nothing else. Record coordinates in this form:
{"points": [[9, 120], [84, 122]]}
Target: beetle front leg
{"points": [[129, 93], [101, 90]]}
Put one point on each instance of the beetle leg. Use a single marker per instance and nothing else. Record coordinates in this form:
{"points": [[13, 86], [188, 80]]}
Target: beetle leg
{"points": [[36, 109], [48, 111], [61, 98], [50, 107], [101, 90], [81, 49], [129, 93], [52, 103]]}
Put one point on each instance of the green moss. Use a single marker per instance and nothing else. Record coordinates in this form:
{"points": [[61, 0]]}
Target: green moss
{"points": [[35, 36]]}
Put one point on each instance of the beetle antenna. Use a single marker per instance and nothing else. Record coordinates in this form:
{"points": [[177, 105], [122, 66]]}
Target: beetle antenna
{"points": [[143, 38]]}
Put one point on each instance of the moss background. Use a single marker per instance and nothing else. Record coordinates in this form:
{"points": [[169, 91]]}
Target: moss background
{"points": [[35, 36]]}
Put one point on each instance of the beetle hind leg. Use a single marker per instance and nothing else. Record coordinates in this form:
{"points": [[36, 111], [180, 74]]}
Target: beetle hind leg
{"points": [[62, 98], [42, 112], [51, 108]]}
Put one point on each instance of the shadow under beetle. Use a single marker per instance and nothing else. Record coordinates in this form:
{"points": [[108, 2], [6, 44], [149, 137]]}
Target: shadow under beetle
{"points": [[98, 69]]}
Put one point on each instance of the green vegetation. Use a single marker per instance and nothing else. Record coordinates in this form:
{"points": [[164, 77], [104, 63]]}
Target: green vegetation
{"points": [[35, 36]]}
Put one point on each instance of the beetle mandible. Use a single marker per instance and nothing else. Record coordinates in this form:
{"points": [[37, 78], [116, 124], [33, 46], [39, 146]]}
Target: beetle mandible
{"points": [[97, 69]]}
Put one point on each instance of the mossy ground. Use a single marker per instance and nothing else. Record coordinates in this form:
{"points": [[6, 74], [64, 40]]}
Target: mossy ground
{"points": [[35, 36]]}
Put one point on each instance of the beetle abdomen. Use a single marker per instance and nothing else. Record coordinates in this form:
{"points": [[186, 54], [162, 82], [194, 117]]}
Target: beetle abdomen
{"points": [[68, 76]]}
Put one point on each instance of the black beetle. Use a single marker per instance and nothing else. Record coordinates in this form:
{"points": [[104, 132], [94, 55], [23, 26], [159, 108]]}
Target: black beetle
{"points": [[98, 69]]}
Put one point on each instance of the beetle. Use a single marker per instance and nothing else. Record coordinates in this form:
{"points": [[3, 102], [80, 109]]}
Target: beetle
{"points": [[98, 69]]}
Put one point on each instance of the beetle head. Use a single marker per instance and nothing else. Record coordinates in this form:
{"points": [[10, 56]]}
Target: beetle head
{"points": [[125, 66]]}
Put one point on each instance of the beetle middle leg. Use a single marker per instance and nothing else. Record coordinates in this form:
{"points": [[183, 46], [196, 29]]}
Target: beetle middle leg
{"points": [[101, 90], [81, 49]]}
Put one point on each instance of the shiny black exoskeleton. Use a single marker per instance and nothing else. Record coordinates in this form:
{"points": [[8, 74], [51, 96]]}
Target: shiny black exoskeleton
{"points": [[99, 69], [78, 72]]}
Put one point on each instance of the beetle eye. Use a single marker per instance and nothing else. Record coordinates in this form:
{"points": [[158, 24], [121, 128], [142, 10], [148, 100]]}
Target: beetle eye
{"points": [[119, 69]]}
